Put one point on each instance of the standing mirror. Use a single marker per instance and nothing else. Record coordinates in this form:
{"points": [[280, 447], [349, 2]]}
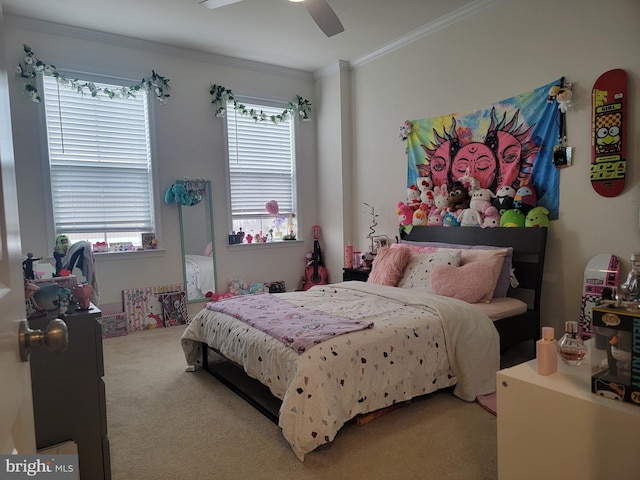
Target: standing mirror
{"points": [[196, 232]]}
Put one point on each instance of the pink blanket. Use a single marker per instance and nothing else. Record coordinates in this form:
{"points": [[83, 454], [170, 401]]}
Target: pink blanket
{"points": [[296, 326]]}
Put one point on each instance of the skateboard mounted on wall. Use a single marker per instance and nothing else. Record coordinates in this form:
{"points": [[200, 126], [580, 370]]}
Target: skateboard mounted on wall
{"points": [[609, 133]]}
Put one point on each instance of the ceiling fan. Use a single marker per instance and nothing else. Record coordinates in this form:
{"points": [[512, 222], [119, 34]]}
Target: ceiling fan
{"points": [[320, 11]]}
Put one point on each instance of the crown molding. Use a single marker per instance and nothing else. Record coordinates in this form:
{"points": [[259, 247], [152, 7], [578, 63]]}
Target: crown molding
{"points": [[51, 28], [443, 22]]}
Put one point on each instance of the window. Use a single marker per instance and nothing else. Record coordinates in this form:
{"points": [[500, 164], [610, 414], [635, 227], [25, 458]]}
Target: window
{"points": [[261, 169], [99, 165]]}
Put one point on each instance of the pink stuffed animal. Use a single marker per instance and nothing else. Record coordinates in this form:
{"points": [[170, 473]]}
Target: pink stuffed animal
{"points": [[405, 214], [441, 199]]}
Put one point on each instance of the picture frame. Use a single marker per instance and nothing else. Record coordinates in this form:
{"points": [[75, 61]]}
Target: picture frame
{"points": [[378, 241]]}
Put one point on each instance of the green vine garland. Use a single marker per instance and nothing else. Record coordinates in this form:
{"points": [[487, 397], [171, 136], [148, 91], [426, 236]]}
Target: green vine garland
{"points": [[220, 95], [32, 66]]}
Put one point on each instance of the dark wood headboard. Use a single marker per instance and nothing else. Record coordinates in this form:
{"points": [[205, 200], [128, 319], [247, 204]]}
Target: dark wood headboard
{"points": [[529, 245]]}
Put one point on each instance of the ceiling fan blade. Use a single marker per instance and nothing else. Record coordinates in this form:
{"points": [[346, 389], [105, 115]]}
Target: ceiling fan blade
{"points": [[211, 4], [324, 16]]}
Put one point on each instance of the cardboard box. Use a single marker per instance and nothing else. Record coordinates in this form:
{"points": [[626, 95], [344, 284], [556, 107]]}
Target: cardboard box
{"points": [[615, 353]]}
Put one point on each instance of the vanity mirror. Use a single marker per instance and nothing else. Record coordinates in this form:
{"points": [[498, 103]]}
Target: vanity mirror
{"points": [[196, 232]]}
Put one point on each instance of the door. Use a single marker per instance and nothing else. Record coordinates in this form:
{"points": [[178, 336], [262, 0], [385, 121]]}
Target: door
{"points": [[16, 420]]}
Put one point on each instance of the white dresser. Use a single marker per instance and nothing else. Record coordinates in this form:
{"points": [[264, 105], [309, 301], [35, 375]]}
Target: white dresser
{"points": [[553, 427]]}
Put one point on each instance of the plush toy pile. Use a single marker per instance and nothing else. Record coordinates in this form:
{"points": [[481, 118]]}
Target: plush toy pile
{"points": [[237, 286], [465, 204]]}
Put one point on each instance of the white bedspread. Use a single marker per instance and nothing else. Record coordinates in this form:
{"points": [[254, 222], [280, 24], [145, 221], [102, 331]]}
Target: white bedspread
{"points": [[199, 275], [420, 342]]}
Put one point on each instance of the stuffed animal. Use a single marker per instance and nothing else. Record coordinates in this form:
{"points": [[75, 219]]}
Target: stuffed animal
{"points": [[504, 198], [564, 99], [469, 217], [405, 214], [449, 220], [428, 198], [237, 286], [420, 216], [458, 197], [480, 198], [490, 217], [413, 197], [424, 183], [441, 199], [257, 288], [525, 198], [537, 217], [553, 92], [215, 297], [434, 219], [512, 218], [178, 193]]}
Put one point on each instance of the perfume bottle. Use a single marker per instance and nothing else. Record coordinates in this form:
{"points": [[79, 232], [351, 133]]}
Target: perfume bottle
{"points": [[571, 348], [547, 352]]}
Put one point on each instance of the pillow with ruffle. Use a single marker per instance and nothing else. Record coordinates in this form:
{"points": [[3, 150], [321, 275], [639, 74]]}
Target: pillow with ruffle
{"points": [[388, 266], [471, 282], [421, 265]]}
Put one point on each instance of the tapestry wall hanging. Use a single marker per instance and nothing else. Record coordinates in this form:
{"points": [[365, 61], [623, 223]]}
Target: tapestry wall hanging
{"points": [[509, 143]]}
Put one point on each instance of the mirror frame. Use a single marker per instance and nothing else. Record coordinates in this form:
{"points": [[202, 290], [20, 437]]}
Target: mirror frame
{"points": [[204, 186]]}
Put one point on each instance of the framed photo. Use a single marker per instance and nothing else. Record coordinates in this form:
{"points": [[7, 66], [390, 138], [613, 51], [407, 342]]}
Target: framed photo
{"points": [[377, 242]]}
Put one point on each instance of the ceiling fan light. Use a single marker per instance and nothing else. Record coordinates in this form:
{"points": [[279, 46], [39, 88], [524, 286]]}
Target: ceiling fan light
{"points": [[296, 1]]}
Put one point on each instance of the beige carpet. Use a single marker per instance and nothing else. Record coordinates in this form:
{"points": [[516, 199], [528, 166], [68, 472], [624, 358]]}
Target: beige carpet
{"points": [[165, 423]]}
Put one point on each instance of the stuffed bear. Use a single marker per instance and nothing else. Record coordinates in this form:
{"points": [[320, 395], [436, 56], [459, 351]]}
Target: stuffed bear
{"points": [[458, 197]]}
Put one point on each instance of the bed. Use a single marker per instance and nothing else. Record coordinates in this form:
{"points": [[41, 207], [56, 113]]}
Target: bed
{"points": [[199, 277], [409, 342]]}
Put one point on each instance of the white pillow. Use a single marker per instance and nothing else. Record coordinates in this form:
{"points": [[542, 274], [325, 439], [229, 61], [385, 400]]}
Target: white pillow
{"points": [[420, 266]]}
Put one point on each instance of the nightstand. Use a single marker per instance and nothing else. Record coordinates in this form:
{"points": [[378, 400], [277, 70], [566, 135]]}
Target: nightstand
{"points": [[357, 274]]}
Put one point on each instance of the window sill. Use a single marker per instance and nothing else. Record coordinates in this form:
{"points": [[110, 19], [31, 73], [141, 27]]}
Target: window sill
{"points": [[260, 245], [111, 256]]}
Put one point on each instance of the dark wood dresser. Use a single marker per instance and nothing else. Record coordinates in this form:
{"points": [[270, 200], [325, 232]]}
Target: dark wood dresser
{"points": [[69, 393]]}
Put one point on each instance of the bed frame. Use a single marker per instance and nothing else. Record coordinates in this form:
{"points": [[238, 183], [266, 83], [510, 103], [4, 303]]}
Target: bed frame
{"points": [[529, 246], [528, 262]]}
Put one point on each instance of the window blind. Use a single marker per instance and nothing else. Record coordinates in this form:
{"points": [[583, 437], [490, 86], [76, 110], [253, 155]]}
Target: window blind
{"points": [[261, 163], [99, 161]]}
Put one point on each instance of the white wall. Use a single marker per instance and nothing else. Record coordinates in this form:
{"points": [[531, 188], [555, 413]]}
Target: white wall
{"points": [[189, 143], [508, 49]]}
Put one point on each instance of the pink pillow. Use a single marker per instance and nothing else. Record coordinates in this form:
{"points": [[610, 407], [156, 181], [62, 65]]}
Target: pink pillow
{"points": [[493, 258], [472, 282], [388, 266]]}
